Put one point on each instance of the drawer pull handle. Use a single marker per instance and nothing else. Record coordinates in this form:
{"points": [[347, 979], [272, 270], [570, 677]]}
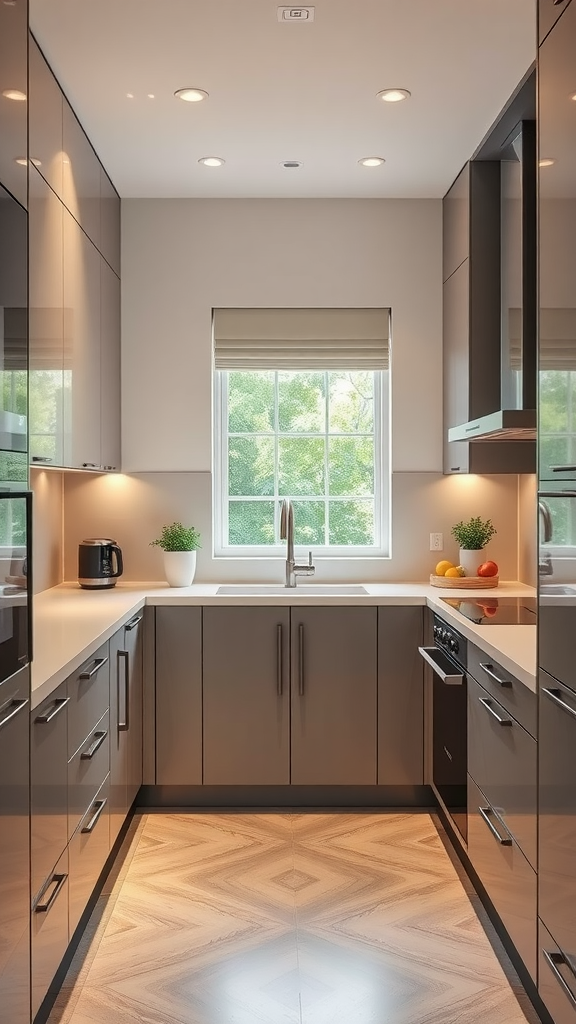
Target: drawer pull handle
{"points": [[555, 696], [489, 670], [99, 738], [95, 668], [434, 657], [14, 708], [58, 881], [124, 723], [487, 703], [99, 805], [133, 623], [485, 812], [554, 960], [279, 646], [301, 660], [57, 706]]}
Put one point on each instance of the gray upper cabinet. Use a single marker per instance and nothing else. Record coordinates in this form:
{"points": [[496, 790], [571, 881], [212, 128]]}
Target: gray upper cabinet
{"points": [[81, 171], [46, 111], [246, 688], [334, 696], [46, 379], [179, 696], [14, 112], [109, 222], [456, 224], [110, 454], [400, 697], [548, 13]]}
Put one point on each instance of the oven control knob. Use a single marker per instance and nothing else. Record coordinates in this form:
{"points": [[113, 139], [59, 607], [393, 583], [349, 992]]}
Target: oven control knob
{"points": [[445, 634], [453, 646]]}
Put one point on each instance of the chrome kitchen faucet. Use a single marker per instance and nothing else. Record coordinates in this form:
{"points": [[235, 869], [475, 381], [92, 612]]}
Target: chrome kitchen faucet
{"points": [[287, 533]]}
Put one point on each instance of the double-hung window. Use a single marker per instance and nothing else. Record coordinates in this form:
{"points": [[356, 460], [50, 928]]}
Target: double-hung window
{"points": [[301, 412]]}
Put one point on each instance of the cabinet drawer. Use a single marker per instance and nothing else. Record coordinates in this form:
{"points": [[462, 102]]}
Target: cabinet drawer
{"points": [[89, 692], [505, 687], [505, 873], [49, 784], [502, 761], [89, 849], [49, 930], [556, 979], [87, 771]]}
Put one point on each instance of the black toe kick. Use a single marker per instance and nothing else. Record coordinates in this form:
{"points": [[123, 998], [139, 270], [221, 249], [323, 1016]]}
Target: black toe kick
{"points": [[292, 797]]}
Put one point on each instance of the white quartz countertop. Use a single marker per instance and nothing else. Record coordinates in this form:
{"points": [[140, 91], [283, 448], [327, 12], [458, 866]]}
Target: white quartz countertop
{"points": [[70, 623]]}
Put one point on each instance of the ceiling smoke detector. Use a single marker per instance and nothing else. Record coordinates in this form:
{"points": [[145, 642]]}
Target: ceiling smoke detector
{"points": [[296, 13]]}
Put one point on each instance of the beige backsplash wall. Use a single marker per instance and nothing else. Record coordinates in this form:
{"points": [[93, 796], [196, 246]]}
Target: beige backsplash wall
{"points": [[47, 528], [131, 509]]}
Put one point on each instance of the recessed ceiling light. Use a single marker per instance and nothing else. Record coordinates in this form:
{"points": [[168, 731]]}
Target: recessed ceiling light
{"points": [[151, 96], [371, 161], [211, 161], [24, 163], [191, 95], [393, 95], [129, 95], [291, 163], [14, 94], [546, 161]]}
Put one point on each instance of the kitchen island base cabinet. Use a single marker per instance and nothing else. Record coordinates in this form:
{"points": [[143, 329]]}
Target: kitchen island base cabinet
{"points": [[126, 697], [88, 851], [400, 697], [179, 696], [246, 696], [333, 695]]}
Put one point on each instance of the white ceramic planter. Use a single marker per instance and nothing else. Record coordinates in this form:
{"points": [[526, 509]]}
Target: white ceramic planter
{"points": [[179, 567], [470, 559]]}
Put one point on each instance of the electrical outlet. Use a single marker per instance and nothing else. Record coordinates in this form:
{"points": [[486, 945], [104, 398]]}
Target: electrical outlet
{"points": [[436, 542]]}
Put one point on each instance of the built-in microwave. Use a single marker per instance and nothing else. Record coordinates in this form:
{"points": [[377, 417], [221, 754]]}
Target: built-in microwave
{"points": [[15, 581]]}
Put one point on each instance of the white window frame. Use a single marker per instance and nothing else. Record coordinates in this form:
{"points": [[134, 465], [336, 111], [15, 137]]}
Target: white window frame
{"points": [[381, 549]]}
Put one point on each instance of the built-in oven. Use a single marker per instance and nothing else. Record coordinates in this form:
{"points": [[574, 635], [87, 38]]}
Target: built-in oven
{"points": [[15, 582], [448, 661]]}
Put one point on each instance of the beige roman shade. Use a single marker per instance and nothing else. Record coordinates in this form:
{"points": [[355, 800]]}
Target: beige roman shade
{"points": [[301, 339], [556, 338]]}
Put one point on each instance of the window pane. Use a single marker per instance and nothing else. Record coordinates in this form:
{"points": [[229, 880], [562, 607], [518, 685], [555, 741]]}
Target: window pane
{"points": [[251, 522], [351, 402], [351, 522], [554, 451], [553, 400], [301, 402], [250, 402], [251, 465], [309, 519], [351, 465], [301, 466]]}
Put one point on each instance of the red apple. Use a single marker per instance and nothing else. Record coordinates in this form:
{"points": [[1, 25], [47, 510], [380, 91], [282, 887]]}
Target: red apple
{"points": [[487, 569]]}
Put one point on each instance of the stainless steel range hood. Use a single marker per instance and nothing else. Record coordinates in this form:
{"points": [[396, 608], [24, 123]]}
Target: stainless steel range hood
{"points": [[503, 425]]}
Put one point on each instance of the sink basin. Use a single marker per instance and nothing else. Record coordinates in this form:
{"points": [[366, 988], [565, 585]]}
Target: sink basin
{"points": [[557, 588], [306, 590]]}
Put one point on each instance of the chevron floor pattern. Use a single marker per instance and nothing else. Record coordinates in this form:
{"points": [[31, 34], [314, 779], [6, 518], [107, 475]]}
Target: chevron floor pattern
{"points": [[288, 919]]}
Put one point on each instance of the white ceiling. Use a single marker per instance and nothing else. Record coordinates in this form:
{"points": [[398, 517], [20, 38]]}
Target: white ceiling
{"points": [[286, 91]]}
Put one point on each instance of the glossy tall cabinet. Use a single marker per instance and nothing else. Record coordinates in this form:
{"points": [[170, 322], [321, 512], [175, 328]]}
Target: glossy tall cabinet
{"points": [[557, 495]]}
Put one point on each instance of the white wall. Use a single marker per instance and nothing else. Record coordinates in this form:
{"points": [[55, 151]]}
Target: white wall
{"points": [[181, 258]]}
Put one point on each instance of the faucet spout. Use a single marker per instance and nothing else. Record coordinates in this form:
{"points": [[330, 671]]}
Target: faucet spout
{"points": [[287, 533]]}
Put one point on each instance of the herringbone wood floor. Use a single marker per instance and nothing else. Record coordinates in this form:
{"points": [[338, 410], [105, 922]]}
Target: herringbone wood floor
{"points": [[287, 919]]}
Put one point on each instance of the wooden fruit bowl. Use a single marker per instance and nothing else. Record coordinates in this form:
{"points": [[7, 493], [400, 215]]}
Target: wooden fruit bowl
{"points": [[464, 582]]}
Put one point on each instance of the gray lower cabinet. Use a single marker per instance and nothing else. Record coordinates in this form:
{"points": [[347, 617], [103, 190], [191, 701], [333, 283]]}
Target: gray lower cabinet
{"points": [[506, 875], [89, 849], [49, 784], [14, 850], [86, 770], [179, 696], [333, 696], [89, 692], [126, 673], [556, 979], [246, 688], [49, 930], [400, 697]]}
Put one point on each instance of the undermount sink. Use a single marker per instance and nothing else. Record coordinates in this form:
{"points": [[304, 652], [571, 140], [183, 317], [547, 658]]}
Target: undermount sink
{"points": [[306, 590]]}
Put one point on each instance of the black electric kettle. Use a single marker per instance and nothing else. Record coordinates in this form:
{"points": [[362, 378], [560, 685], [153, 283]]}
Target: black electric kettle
{"points": [[95, 563]]}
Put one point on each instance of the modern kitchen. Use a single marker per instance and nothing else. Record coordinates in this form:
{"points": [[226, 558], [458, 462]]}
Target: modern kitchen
{"points": [[288, 471]]}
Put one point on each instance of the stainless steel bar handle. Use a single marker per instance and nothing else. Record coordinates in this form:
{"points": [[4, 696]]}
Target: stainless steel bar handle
{"points": [[133, 623], [99, 805], [485, 811], [99, 662], [14, 708], [553, 960], [99, 738], [57, 706], [488, 668], [279, 659], [456, 679], [301, 660], [563, 469], [124, 724], [557, 494], [58, 881], [553, 695], [487, 703]]}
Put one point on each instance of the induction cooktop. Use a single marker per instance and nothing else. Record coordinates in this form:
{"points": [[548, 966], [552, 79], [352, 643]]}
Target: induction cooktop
{"points": [[496, 611]]}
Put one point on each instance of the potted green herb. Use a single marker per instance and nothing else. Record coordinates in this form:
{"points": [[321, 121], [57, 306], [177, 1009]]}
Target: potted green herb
{"points": [[179, 544], [473, 536]]}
